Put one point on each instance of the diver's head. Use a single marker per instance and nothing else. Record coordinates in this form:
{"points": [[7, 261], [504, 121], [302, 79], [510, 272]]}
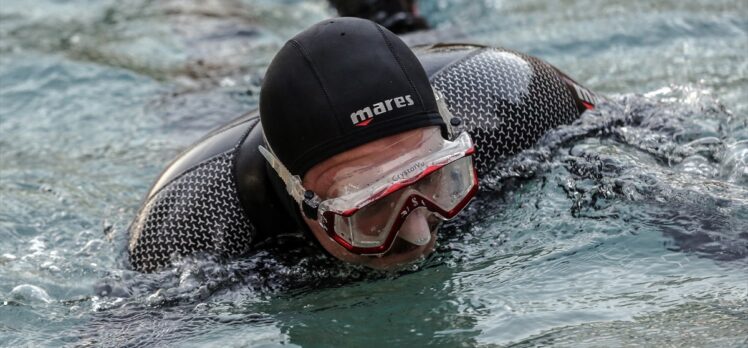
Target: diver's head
{"points": [[355, 131], [399, 16]]}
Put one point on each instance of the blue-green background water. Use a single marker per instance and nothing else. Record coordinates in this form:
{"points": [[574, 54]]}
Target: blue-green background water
{"points": [[629, 227]]}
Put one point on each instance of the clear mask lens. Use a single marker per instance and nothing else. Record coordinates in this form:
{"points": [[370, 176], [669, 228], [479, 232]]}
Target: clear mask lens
{"points": [[441, 192]]}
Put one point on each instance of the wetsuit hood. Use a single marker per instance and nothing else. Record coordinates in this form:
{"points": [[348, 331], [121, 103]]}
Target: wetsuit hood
{"points": [[340, 84]]}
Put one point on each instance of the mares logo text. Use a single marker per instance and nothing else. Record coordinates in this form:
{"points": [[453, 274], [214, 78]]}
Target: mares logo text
{"points": [[364, 116]]}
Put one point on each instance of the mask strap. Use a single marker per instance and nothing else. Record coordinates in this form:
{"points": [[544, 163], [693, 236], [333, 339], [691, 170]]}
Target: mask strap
{"points": [[293, 182], [450, 122], [308, 200]]}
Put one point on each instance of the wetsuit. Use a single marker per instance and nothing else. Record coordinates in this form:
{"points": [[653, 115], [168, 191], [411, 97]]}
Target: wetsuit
{"points": [[220, 196]]}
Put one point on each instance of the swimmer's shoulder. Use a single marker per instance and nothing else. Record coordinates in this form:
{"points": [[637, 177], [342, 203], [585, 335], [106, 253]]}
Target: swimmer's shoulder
{"points": [[194, 205], [219, 141], [437, 57]]}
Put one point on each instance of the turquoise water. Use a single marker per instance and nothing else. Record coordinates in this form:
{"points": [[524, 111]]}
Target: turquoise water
{"points": [[627, 228]]}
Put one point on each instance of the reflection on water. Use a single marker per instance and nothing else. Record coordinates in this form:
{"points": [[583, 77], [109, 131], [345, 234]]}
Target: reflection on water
{"points": [[625, 228]]}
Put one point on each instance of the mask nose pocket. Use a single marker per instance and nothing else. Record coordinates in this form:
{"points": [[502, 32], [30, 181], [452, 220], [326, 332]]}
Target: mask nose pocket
{"points": [[415, 228]]}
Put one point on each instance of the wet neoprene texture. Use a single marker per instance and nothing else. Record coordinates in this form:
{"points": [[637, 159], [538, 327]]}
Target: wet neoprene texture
{"points": [[220, 197], [312, 110]]}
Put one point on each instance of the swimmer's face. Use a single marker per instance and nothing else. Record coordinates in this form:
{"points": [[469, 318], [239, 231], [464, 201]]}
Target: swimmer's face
{"points": [[329, 177]]}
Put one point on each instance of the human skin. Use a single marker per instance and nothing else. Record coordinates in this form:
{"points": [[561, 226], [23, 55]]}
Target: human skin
{"points": [[348, 168]]}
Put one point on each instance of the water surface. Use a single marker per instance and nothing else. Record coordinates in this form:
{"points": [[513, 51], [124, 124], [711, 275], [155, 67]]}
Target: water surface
{"points": [[629, 227]]}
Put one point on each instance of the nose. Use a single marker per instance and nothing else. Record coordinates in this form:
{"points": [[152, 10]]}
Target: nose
{"points": [[415, 228]]}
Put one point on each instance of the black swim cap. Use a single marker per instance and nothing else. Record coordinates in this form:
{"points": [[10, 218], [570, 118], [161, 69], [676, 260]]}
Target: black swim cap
{"points": [[340, 84]]}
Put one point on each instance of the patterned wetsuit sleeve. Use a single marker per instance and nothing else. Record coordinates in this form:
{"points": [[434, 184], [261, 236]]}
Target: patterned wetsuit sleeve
{"points": [[507, 101], [198, 211]]}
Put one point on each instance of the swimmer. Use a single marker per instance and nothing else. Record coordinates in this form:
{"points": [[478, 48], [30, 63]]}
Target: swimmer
{"points": [[399, 16], [364, 143]]}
